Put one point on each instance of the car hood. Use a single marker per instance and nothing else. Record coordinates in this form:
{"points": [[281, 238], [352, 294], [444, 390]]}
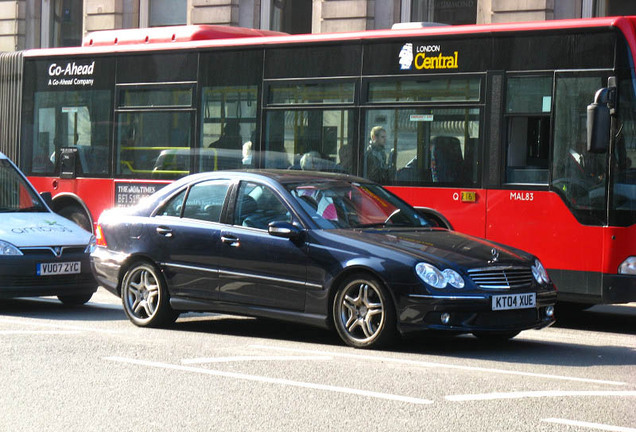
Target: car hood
{"points": [[440, 245], [41, 229]]}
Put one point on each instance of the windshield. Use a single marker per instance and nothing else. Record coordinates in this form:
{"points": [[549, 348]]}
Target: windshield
{"points": [[352, 205], [15, 193]]}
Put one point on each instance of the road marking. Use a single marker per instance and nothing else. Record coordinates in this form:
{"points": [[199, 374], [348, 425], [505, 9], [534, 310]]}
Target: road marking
{"points": [[589, 425], [268, 380], [25, 321], [443, 365], [38, 332], [536, 394], [252, 358]]}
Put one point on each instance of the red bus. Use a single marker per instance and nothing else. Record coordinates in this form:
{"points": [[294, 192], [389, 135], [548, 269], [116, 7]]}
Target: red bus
{"points": [[484, 127]]}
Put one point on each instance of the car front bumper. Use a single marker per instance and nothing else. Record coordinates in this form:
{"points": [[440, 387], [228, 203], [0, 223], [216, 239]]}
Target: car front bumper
{"points": [[19, 278], [471, 313]]}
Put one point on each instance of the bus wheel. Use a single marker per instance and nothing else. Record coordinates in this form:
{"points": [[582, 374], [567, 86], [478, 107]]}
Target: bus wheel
{"points": [[76, 214]]}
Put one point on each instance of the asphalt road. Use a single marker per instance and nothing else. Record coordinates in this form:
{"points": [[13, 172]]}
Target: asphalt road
{"points": [[89, 369]]}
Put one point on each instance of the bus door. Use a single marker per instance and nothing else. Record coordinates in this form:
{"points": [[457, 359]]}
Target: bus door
{"points": [[552, 198]]}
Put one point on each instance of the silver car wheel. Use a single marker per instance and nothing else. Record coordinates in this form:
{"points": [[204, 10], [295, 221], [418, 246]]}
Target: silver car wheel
{"points": [[362, 313], [144, 298]]}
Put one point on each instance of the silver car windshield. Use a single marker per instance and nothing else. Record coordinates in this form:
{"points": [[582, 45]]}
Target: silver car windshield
{"points": [[334, 205], [15, 193]]}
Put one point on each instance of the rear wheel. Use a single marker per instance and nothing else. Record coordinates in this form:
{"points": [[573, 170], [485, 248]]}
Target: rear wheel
{"points": [[145, 297], [76, 214], [363, 312]]}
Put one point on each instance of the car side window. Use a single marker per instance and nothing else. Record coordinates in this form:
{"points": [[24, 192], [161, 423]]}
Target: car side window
{"points": [[173, 206], [205, 200], [257, 206]]}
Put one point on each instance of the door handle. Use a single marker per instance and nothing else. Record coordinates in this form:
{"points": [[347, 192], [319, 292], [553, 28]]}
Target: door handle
{"points": [[230, 240], [166, 232]]}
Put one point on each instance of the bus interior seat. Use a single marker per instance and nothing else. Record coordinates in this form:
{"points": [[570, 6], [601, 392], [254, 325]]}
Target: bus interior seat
{"points": [[446, 159]]}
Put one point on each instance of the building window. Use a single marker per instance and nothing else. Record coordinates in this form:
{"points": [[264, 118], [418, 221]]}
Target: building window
{"points": [[282, 15], [157, 13], [444, 11], [65, 23]]}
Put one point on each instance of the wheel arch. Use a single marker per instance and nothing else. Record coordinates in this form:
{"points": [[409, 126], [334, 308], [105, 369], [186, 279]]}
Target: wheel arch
{"points": [[133, 259], [437, 216], [66, 199]]}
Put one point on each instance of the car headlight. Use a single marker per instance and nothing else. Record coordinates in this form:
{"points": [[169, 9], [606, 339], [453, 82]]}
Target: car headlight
{"points": [[628, 266], [8, 249], [436, 278], [539, 272], [92, 244]]}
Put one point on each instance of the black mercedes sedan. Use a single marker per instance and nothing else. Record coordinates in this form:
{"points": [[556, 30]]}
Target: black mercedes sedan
{"points": [[329, 250]]}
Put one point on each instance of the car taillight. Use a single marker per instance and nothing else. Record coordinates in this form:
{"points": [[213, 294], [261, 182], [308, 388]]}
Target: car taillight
{"points": [[99, 237]]}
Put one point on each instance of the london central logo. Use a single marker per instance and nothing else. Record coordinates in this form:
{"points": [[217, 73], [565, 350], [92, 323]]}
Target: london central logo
{"points": [[426, 57]]}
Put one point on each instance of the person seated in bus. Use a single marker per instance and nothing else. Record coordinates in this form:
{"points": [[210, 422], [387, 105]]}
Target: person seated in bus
{"points": [[345, 156], [376, 160], [230, 137]]}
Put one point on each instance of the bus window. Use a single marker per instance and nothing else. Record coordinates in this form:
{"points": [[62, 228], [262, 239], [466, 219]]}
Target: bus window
{"points": [[528, 107], [310, 139], [153, 131], [78, 119], [228, 127], [317, 140], [624, 161], [578, 176], [423, 146]]}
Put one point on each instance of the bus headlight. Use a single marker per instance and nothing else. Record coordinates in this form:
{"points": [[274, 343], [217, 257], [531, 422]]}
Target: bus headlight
{"points": [[432, 276], [628, 267]]}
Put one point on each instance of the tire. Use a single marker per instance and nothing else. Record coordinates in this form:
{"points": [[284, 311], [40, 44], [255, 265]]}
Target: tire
{"points": [[145, 297], [77, 215], [75, 300], [363, 313]]}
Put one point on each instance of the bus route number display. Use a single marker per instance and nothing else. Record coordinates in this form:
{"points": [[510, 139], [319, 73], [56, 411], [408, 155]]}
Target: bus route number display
{"points": [[129, 193]]}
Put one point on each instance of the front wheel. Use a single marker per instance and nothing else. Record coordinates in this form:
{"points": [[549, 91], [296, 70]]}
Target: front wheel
{"points": [[145, 297], [363, 313]]}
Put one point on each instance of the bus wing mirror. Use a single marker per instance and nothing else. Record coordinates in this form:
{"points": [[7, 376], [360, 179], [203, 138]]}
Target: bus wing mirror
{"points": [[599, 120]]}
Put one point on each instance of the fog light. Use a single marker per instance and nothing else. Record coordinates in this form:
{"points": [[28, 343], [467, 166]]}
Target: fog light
{"points": [[445, 318], [549, 311]]}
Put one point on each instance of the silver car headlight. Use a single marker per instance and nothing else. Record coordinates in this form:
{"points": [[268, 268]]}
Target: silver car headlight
{"points": [[628, 267], [7, 249], [92, 244], [539, 272], [437, 278]]}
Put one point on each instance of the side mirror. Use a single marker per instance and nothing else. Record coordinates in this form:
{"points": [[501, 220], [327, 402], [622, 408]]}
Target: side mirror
{"points": [[47, 198], [284, 229], [599, 118], [598, 123]]}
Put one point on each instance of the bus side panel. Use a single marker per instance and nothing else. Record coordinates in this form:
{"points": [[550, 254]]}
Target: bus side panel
{"points": [[97, 194], [465, 216], [540, 223]]}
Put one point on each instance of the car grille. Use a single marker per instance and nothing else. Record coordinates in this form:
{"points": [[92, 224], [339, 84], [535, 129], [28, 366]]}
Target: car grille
{"points": [[502, 277], [52, 251]]}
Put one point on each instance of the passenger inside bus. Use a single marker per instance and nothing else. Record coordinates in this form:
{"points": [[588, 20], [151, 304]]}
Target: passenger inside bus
{"points": [[377, 165]]}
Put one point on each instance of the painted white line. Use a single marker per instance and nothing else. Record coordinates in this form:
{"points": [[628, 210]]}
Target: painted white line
{"points": [[597, 426], [34, 323], [442, 365], [252, 358], [268, 380], [37, 332], [537, 394]]}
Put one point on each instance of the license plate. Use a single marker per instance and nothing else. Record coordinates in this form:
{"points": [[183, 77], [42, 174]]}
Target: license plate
{"points": [[46, 269], [514, 301]]}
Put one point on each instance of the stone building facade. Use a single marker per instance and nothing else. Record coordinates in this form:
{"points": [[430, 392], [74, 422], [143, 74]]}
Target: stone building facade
{"points": [[28, 24]]}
